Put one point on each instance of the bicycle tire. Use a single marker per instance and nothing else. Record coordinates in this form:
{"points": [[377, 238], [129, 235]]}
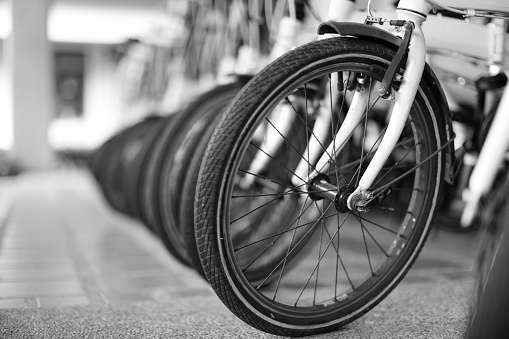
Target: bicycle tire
{"points": [[222, 175], [177, 157], [188, 197], [98, 162], [153, 207], [149, 172], [176, 171], [151, 185], [135, 154], [113, 172], [97, 158], [488, 315]]}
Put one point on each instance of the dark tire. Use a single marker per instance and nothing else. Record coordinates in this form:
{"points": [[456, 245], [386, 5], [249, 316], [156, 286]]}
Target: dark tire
{"points": [[134, 156], [182, 176], [322, 267], [188, 197], [151, 184], [106, 164], [149, 173], [488, 318], [96, 158], [115, 161], [169, 163]]}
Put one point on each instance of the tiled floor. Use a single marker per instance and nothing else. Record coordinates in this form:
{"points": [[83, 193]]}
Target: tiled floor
{"points": [[70, 266], [60, 249]]}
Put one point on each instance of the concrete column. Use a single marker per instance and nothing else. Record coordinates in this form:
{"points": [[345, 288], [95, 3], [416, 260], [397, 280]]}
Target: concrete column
{"points": [[29, 64]]}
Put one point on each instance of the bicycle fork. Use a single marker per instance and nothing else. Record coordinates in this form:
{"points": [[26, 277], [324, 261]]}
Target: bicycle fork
{"points": [[403, 100], [359, 197]]}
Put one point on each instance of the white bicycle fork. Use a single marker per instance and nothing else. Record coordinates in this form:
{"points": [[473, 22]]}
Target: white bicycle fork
{"points": [[408, 10]]}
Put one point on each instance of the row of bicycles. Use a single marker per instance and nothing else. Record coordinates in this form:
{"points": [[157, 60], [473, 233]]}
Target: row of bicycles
{"points": [[304, 192]]}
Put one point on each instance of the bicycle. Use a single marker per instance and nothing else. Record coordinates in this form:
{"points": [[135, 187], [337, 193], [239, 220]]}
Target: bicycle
{"points": [[336, 150]]}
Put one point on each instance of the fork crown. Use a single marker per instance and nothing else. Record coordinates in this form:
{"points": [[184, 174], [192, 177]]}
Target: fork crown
{"points": [[419, 8]]}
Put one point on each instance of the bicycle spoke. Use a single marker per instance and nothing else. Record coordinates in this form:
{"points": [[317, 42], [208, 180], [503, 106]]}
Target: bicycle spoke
{"points": [[338, 257], [406, 189], [396, 164], [364, 134], [371, 153], [316, 267], [279, 195], [305, 123], [371, 235], [366, 248], [287, 251], [319, 254], [387, 168], [350, 135], [383, 227], [289, 143], [288, 254], [333, 130], [259, 207], [413, 168], [384, 208], [276, 161], [373, 150], [265, 178], [278, 234]]}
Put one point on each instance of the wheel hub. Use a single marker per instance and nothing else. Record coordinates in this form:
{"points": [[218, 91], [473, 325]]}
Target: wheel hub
{"points": [[320, 188]]}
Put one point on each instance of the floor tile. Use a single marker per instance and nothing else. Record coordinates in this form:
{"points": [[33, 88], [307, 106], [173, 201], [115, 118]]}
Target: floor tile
{"points": [[39, 288]]}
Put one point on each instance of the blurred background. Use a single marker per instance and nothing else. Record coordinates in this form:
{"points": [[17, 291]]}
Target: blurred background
{"points": [[71, 73], [75, 72]]}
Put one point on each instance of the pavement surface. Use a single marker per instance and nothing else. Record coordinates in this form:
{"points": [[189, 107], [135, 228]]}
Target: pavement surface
{"points": [[71, 267]]}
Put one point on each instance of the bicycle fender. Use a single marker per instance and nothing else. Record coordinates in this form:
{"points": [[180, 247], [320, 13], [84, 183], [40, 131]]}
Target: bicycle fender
{"points": [[372, 33], [358, 30]]}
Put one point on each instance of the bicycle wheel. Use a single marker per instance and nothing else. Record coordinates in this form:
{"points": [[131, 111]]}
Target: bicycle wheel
{"points": [[282, 258], [134, 157], [151, 209], [115, 164], [188, 198], [150, 172], [177, 157], [488, 316]]}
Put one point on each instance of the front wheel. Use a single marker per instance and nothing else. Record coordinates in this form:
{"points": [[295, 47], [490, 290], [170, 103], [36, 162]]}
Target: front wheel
{"points": [[279, 254]]}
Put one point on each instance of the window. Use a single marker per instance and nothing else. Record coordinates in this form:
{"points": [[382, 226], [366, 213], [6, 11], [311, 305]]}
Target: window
{"points": [[69, 69]]}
